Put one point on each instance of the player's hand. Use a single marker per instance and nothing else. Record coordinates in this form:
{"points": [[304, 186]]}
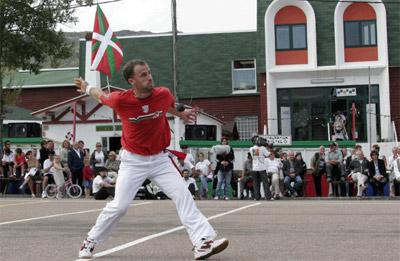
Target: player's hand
{"points": [[188, 115], [81, 84]]}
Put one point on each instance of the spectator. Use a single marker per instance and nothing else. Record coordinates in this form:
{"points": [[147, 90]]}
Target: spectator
{"points": [[246, 175], [204, 171], [341, 116], [225, 167], [32, 170], [278, 153], [86, 153], [259, 153], [291, 172], [66, 146], [98, 158], [335, 168], [48, 171], [339, 129], [346, 161], [390, 166], [303, 165], [81, 146], [191, 183], [50, 146], [7, 163], [359, 172], [283, 157], [318, 166], [189, 157], [112, 164], [75, 163], [377, 173], [58, 175], [273, 167], [42, 155], [396, 176], [102, 185], [7, 145], [381, 155], [19, 163], [185, 164], [88, 176]]}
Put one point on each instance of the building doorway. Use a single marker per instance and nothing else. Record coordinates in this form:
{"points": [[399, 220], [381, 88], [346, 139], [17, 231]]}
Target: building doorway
{"points": [[114, 143]]}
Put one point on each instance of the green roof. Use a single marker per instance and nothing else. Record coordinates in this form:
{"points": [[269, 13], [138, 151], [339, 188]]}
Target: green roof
{"points": [[46, 77], [19, 114]]}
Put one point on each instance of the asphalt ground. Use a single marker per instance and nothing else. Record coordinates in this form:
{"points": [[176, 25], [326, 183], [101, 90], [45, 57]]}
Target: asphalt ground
{"points": [[51, 229]]}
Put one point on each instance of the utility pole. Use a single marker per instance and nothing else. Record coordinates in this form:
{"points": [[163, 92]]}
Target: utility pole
{"points": [[175, 51]]}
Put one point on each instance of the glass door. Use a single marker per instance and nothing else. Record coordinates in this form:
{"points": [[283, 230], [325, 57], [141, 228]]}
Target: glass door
{"points": [[319, 128], [300, 120]]}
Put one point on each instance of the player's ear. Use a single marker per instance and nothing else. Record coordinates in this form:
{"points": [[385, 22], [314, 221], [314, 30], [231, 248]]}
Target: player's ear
{"points": [[131, 81]]}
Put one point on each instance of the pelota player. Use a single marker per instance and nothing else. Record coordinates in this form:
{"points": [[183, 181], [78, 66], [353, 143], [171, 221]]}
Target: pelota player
{"points": [[145, 136]]}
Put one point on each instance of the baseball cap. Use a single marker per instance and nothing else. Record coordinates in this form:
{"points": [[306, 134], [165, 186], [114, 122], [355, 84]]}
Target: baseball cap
{"points": [[333, 144]]}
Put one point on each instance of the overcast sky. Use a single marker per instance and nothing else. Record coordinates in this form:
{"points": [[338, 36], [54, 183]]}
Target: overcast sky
{"points": [[193, 16]]}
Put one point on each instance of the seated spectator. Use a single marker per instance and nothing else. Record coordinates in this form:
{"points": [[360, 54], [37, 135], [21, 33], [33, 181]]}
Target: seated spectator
{"points": [[359, 172], [396, 176], [377, 173], [291, 172], [278, 153], [204, 171], [112, 164], [19, 163], [7, 163], [88, 176], [32, 170], [335, 168], [390, 166], [98, 158], [189, 157], [381, 155], [58, 175], [191, 184], [185, 164], [273, 167], [48, 171], [303, 165], [318, 166], [283, 157], [102, 185], [246, 175]]}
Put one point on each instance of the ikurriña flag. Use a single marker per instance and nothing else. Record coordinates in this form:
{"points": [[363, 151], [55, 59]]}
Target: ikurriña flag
{"points": [[106, 50]]}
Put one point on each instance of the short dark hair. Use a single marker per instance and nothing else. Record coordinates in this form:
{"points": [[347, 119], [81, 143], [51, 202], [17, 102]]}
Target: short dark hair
{"points": [[185, 170], [51, 152], [184, 146], [374, 152], [128, 70], [6, 142], [18, 151], [81, 141]]}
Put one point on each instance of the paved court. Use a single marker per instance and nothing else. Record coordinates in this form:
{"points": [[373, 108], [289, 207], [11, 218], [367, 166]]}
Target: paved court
{"points": [[47, 229]]}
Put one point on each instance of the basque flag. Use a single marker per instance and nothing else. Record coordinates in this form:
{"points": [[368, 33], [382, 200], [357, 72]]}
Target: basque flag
{"points": [[106, 50]]}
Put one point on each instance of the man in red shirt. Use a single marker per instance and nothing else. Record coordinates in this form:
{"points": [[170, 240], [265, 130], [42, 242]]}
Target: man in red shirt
{"points": [[145, 136]]}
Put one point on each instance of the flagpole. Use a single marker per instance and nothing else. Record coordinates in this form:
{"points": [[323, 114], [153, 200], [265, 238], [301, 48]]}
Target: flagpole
{"points": [[112, 116]]}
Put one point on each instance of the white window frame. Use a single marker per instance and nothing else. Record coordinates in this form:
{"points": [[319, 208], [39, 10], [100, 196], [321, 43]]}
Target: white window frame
{"points": [[245, 69]]}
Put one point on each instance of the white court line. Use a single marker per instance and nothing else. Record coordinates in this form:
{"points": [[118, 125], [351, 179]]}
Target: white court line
{"points": [[64, 214], [143, 239]]}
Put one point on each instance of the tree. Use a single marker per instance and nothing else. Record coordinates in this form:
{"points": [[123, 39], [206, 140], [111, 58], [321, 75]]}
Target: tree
{"points": [[29, 37]]}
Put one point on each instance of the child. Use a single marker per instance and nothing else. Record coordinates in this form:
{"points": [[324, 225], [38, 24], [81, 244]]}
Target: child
{"points": [[8, 162], [87, 177], [58, 175], [19, 163]]}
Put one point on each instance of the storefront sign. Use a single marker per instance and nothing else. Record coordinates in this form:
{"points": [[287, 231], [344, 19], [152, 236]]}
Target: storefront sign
{"points": [[346, 92], [108, 128], [281, 140]]}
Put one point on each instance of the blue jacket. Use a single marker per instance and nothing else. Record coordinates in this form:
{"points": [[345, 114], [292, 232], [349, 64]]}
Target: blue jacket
{"points": [[74, 162]]}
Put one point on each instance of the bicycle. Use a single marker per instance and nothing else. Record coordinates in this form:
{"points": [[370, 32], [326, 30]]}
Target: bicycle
{"points": [[73, 190]]}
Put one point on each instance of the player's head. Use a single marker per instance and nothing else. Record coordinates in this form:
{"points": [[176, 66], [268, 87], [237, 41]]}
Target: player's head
{"points": [[137, 74]]}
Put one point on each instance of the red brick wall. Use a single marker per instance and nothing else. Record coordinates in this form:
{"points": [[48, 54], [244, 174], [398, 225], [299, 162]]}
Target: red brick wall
{"points": [[263, 103], [394, 83], [38, 98]]}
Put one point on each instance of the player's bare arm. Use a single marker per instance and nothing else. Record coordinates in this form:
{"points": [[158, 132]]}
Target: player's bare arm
{"points": [[82, 86], [187, 115]]}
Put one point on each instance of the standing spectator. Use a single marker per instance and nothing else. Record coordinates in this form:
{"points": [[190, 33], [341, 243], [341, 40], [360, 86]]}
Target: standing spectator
{"points": [[48, 171], [7, 163], [88, 176], [86, 153], [191, 184], [259, 154], [247, 175], [112, 164], [225, 167], [7, 145], [335, 168], [339, 129], [75, 163], [32, 170], [189, 157], [185, 164], [43, 153], [396, 176], [58, 175], [98, 158], [102, 185], [318, 166], [291, 172], [341, 116], [66, 146], [19, 163], [377, 173], [390, 166], [359, 172], [381, 155], [50, 146], [204, 171], [274, 166], [81, 145]]}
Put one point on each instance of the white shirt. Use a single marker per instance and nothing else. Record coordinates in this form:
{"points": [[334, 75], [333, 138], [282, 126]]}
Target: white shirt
{"points": [[203, 167], [396, 171], [99, 156], [391, 162], [96, 182], [186, 165], [47, 164], [191, 181], [273, 165], [8, 158], [189, 157], [259, 155]]}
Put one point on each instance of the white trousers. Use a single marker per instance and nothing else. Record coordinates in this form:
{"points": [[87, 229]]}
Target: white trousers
{"points": [[274, 182], [134, 170], [361, 179]]}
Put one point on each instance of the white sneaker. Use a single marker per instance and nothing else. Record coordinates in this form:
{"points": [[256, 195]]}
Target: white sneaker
{"points": [[208, 247], [44, 195], [59, 196], [216, 197], [87, 249], [226, 198]]}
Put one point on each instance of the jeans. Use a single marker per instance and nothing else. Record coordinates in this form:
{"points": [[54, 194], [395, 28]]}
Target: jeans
{"points": [[224, 176], [204, 184], [297, 183]]}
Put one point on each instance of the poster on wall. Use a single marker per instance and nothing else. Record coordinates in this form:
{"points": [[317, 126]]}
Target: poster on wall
{"points": [[286, 125]]}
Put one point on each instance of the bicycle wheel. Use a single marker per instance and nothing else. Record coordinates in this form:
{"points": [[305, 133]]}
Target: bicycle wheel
{"points": [[74, 191], [51, 190]]}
